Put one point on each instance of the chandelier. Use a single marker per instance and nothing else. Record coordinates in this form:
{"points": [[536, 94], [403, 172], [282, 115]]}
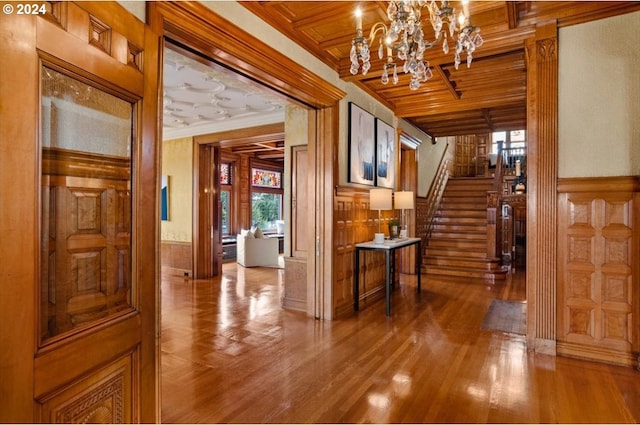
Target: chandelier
{"points": [[405, 38]]}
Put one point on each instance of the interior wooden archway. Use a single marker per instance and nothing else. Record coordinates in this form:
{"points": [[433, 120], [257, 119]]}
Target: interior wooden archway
{"points": [[201, 29]]}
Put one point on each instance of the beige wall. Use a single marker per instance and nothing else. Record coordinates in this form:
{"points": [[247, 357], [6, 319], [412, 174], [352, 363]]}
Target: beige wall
{"points": [[177, 163], [599, 98], [429, 157]]}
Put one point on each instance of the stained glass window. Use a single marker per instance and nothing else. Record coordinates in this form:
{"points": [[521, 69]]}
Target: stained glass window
{"points": [[266, 178], [225, 173]]}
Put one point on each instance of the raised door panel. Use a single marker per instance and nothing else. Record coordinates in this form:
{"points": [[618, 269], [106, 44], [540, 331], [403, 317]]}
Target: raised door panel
{"points": [[300, 202]]}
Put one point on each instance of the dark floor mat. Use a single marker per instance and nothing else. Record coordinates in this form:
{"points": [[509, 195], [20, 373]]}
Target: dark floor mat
{"points": [[506, 316]]}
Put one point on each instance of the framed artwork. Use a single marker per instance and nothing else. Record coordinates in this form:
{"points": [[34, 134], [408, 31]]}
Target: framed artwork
{"points": [[385, 155], [361, 146], [164, 198]]}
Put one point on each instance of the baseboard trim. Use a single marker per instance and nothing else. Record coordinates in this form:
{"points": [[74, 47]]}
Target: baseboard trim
{"points": [[598, 354]]}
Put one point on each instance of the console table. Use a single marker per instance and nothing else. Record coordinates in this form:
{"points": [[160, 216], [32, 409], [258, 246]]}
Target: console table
{"points": [[388, 247]]}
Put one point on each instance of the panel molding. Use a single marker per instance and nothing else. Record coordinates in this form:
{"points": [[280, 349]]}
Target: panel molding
{"points": [[598, 279], [104, 396]]}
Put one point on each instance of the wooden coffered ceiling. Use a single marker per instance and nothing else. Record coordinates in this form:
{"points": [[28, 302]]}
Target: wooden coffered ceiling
{"points": [[489, 96]]}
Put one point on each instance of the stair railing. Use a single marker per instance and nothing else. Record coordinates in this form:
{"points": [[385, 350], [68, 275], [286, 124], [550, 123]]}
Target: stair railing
{"points": [[434, 197]]}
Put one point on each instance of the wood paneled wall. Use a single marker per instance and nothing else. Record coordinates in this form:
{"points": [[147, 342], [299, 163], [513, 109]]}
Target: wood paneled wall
{"points": [[354, 222], [598, 265]]}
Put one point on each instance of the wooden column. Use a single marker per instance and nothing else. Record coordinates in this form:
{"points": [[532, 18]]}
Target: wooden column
{"points": [[542, 119]]}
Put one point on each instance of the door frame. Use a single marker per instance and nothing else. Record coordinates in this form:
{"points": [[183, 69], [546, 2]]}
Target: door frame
{"points": [[205, 31]]}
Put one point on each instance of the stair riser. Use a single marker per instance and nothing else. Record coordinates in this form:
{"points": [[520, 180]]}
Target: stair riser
{"points": [[452, 252], [461, 213], [456, 244], [459, 263], [463, 273], [469, 188], [467, 236], [462, 206], [455, 232]]}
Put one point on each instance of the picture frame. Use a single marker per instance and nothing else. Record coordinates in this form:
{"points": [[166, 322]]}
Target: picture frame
{"points": [[386, 155], [362, 152], [164, 198]]}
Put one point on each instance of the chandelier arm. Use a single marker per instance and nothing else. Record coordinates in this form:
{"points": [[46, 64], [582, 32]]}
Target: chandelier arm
{"points": [[378, 26], [427, 45], [435, 42]]}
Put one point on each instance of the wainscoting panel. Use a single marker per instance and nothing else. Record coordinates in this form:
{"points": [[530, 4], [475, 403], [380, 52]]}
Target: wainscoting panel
{"points": [[177, 258], [598, 282], [354, 222]]}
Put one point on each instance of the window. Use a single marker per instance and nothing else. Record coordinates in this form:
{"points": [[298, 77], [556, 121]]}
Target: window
{"points": [[516, 139], [225, 173], [508, 139], [266, 198], [225, 200], [266, 208], [497, 141], [266, 178], [225, 197]]}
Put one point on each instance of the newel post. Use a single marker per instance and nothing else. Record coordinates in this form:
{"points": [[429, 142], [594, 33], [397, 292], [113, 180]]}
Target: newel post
{"points": [[492, 233]]}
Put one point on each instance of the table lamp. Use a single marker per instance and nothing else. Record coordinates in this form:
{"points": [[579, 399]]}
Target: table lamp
{"points": [[380, 199], [403, 201]]}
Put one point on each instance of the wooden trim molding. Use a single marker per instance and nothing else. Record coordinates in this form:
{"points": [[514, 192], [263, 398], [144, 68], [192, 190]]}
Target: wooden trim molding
{"points": [[195, 25], [542, 123], [599, 184]]}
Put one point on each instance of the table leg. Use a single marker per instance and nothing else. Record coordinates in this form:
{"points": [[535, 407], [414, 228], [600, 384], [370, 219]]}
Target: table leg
{"points": [[356, 282], [388, 280], [419, 264]]}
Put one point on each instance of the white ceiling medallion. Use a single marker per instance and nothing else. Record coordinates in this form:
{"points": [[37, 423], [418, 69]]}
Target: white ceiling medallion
{"points": [[198, 99]]}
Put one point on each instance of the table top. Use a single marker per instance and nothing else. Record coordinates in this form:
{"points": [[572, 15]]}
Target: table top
{"points": [[388, 244]]}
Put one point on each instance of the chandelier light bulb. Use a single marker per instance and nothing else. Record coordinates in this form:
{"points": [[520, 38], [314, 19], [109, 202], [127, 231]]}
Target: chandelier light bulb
{"points": [[461, 20], [358, 18]]}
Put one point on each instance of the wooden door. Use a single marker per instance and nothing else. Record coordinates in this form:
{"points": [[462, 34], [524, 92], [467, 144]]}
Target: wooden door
{"points": [[483, 145], [79, 160], [465, 156]]}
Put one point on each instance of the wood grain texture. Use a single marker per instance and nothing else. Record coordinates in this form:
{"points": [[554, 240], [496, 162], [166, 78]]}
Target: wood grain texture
{"points": [[231, 354], [597, 287], [542, 177], [93, 201]]}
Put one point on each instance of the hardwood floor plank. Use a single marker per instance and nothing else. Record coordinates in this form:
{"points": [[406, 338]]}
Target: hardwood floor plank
{"points": [[230, 354]]}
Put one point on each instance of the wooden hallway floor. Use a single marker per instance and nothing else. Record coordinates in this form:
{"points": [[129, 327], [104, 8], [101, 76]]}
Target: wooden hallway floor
{"points": [[230, 354]]}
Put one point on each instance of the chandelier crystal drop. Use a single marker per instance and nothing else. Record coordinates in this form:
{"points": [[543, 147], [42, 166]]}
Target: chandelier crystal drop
{"points": [[404, 38]]}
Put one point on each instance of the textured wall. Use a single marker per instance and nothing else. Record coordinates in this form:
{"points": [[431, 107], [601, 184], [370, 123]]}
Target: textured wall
{"points": [[599, 98], [177, 163]]}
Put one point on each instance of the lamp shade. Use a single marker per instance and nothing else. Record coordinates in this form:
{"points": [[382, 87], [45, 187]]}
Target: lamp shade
{"points": [[403, 200], [380, 199]]}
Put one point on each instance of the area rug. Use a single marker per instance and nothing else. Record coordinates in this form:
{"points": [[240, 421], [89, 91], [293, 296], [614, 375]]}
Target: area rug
{"points": [[506, 316]]}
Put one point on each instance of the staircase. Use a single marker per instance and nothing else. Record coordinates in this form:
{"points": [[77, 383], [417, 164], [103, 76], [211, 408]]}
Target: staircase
{"points": [[457, 245]]}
